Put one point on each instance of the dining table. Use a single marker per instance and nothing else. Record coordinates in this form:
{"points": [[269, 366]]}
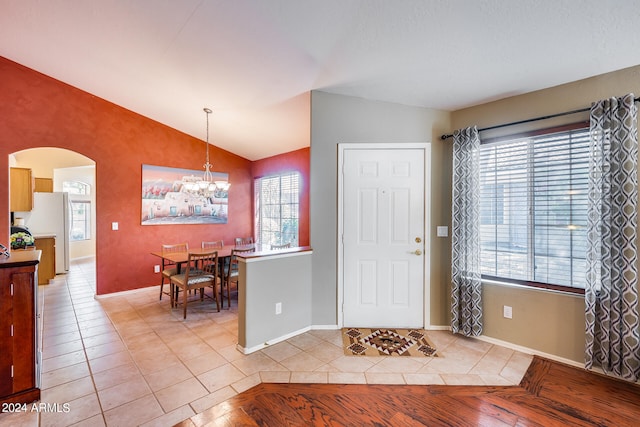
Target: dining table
{"points": [[224, 255]]}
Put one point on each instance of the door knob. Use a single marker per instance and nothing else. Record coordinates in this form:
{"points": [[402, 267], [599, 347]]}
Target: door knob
{"points": [[418, 252]]}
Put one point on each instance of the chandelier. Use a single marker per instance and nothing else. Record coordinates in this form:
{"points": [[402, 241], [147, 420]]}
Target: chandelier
{"points": [[205, 186]]}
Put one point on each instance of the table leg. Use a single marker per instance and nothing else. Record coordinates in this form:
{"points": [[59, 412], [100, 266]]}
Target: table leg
{"points": [[171, 293]]}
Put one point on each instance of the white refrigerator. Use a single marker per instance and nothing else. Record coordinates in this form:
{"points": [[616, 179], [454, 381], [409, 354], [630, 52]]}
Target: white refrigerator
{"points": [[51, 215]]}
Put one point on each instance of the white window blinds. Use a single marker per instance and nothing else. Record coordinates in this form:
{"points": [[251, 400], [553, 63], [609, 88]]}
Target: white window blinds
{"points": [[277, 209], [534, 208]]}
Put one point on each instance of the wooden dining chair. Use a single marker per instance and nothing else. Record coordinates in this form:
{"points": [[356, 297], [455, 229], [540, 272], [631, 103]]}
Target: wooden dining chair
{"points": [[169, 268], [282, 246], [201, 272], [218, 244], [243, 241], [231, 275]]}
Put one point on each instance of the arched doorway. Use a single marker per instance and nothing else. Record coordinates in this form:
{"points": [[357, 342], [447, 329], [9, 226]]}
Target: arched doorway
{"points": [[60, 170]]}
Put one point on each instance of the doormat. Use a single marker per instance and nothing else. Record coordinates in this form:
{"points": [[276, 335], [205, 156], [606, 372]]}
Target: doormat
{"points": [[387, 342]]}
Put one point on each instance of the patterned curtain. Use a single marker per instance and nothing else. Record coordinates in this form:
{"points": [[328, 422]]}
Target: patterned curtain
{"points": [[466, 289], [611, 296]]}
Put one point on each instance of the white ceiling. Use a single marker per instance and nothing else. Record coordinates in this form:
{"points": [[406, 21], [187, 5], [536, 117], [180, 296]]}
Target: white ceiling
{"points": [[255, 61]]}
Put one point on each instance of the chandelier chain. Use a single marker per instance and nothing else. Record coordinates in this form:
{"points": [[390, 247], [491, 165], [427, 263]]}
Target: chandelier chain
{"points": [[207, 165], [205, 187]]}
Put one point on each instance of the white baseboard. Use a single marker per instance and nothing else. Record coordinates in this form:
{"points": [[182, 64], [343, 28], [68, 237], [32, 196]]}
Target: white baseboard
{"points": [[516, 347], [285, 337], [253, 349], [528, 350], [325, 327], [127, 292], [428, 328], [438, 328]]}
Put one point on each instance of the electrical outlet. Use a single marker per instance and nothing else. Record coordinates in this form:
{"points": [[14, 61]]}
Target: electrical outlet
{"points": [[507, 312], [156, 269], [278, 308], [114, 226]]}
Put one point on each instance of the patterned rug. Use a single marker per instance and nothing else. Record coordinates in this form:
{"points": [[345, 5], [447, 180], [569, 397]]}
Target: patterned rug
{"points": [[387, 342]]}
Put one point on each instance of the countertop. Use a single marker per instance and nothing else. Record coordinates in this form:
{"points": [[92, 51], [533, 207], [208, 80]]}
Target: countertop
{"points": [[274, 252], [20, 259], [44, 235]]}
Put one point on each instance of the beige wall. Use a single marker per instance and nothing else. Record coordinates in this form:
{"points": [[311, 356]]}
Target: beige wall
{"points": [[544, 321], [42, 161]]}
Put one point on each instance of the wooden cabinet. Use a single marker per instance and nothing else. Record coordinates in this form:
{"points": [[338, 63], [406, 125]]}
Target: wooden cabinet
{"points": [[19, 368], [20, 190], [47, 266], [43, 185]]}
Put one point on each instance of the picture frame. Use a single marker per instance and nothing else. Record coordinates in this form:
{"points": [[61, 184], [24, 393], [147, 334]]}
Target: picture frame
{"points": [[166, 200]]}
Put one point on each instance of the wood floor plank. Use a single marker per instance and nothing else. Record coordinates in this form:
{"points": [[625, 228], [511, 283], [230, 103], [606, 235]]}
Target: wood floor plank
{"points": [[305, 410], [235, 418], [400, 419], [550, 394], [338, 404], [581, 389]]}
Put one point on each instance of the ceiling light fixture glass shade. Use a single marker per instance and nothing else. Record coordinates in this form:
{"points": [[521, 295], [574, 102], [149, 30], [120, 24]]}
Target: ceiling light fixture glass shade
{"points": [[205, 186], [222, 185]]}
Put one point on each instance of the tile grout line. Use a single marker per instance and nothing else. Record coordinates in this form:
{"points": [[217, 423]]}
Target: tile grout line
{"points": [[84, 348], [181, 362], [71, 299], [122, 339]]}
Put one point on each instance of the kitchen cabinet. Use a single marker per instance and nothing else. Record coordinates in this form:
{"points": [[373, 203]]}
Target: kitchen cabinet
{"points": [[47, 265], [19, 366], [20, 189], [43, 185]]}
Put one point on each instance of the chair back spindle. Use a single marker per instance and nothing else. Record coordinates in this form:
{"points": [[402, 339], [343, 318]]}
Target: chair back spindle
{"points": [[216, 244], [244, 241]]}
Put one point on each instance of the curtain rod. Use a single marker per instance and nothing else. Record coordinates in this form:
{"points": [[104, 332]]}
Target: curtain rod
{"points": [[566, 113]]}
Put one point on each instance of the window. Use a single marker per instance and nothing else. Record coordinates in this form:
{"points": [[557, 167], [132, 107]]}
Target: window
{"points": [[80, 220], [277, 208], [76, 187], [533, 209], [79, 196]]}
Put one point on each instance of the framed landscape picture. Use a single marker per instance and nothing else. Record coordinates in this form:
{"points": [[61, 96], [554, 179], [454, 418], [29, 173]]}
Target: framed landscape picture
{"points": [[167, 197]]}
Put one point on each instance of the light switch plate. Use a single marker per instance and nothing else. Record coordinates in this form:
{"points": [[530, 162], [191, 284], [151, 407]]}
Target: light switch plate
{"points": [[114, 225], [507, 312], [442, 231]]}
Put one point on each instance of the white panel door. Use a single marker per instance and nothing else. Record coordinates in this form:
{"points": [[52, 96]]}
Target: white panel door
{"points": [[383, 234]]}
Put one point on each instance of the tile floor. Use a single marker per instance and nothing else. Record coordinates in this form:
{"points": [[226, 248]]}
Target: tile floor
{"points": [[128, 359]]}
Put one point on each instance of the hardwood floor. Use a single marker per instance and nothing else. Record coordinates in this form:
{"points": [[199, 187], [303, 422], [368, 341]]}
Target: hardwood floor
{"points": [[550, 394]]}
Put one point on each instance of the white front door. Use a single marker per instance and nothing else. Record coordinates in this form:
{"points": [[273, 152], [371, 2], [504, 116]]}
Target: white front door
{"points": [[383, 237]]}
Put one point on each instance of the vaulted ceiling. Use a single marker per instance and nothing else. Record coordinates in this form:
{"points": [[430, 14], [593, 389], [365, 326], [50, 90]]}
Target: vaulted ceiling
{"points": [[254, 62]]}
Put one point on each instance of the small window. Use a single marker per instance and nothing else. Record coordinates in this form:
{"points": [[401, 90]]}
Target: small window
{"points": [[80, 220], [277, 201], [76, 187], [80, 201]]}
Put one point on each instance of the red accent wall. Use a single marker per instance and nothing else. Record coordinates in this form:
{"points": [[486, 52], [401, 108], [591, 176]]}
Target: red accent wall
{"points": [[298, 160], [38, 111]]}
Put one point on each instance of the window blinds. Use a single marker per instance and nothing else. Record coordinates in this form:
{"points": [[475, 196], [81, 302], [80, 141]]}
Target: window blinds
{"points": [[534, 208], [277, 207]]}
